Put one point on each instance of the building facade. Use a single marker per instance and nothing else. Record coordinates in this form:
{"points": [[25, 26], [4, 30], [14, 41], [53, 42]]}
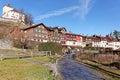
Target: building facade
{"points": [[42, 33], [102, 41], [39, 33], [11, 13], [73, 39]]}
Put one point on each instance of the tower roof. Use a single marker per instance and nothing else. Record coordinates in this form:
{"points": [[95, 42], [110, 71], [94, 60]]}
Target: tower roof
{"points": [[8, 5]]}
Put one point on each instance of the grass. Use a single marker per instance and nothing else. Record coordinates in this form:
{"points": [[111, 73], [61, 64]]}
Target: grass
{"points": [[9, 50], [109, 73], [18, 53], [17, 69], [45, 58]]}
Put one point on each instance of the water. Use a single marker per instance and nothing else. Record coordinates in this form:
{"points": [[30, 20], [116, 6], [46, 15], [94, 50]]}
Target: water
{"points": [[73, 70]]}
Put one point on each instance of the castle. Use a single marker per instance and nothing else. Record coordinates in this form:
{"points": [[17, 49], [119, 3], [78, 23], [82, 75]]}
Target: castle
{"points": [[13, 15]]}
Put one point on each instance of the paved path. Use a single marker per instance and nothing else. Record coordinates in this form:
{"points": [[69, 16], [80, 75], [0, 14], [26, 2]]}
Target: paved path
{"points": [[73, 70], [52, 66]]}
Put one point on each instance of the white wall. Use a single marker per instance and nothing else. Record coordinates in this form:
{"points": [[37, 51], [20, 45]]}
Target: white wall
{"points": [[116, 45], [99, 44], [6, 9], [105, 44], [75, 43], [8, 12]]}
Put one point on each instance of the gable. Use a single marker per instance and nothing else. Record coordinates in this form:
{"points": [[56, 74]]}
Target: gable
{"points": [[63, 30]]}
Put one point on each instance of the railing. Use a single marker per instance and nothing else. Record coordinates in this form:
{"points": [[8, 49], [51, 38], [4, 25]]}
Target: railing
{"points": [[23, 54], [46, 53]]}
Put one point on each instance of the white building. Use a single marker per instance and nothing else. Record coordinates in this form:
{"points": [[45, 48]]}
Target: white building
{"points": [[74, 40], [11, 13], [106, 43], [100, 44], [114, 45]]}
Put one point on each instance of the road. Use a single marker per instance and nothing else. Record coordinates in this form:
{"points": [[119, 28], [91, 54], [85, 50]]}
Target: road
{"points": [[74, 70]]}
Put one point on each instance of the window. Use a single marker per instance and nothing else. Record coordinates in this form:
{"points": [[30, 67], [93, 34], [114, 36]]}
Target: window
{"points": [[32, 39], [36, 39], [36, 35], [39, 35], [25, 31], [35, 30], [43, 36], [41, 27]]}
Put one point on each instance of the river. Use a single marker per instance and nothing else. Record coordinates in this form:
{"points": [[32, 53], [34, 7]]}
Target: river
{"points": [[74, 70]]}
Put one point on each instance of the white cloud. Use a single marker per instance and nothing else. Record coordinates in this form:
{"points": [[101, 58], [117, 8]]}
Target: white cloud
{"points": [[85, 7], [57, 12], [83, 10]]}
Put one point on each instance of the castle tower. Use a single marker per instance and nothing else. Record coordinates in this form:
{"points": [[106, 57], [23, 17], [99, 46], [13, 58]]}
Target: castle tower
{"points": [[6, 9]]}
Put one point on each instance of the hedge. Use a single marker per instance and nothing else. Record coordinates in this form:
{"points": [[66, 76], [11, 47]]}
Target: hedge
{"points": [[92, 48], [50, 46]]}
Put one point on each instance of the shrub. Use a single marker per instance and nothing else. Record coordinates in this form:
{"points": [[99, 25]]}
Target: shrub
{"points": [[50, 46], [96, 48], [24, 45], [89, 48]]}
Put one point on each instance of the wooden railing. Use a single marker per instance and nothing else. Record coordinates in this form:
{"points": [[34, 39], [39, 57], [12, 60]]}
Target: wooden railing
{"points": [[23, 54], [46, 53]]}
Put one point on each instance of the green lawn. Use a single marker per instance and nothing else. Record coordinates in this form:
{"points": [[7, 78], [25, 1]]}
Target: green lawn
{"points": [[9, 50], [45, 58], [17, 69]]}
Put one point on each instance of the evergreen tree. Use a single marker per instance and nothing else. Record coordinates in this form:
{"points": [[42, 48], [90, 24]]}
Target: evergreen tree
{"points": [[116, 34]]}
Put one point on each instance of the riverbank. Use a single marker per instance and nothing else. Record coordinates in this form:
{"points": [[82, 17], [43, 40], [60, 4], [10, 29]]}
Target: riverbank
{"points": [[109, 73]]}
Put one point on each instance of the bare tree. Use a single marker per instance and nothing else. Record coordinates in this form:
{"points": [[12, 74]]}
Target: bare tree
{"points": [[4, 32], [29, 19]]}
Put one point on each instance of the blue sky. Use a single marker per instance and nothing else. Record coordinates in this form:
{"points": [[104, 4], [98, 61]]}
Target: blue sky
{"points": [[78, 16]]}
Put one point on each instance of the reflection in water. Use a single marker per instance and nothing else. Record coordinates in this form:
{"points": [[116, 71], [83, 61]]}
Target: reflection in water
{"points": [[73, 70]]}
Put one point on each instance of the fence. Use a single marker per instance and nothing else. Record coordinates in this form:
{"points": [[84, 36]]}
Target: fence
{"points": [[46, 53], [22, 54], [91, 51]]}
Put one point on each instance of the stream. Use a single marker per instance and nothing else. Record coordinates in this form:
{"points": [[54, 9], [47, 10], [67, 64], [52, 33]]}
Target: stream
{"points": [[74, 70]]}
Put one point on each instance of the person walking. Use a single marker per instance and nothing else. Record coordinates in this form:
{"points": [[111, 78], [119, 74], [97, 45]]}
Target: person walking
{"points": [[69, 50]]}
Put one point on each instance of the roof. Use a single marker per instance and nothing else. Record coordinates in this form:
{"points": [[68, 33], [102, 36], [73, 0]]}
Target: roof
{"points": [[34, 26], [48, 28], [62, 28], [8, 5], [70, 33], [59, 29], [111, 38], [15, 10]]}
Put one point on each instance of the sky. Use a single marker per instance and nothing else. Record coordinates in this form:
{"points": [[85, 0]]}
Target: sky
{"points": [[86, 17]]}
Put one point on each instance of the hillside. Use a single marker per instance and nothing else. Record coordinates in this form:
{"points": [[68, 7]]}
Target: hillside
{"points": [[5, 29], [10, 24]]}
